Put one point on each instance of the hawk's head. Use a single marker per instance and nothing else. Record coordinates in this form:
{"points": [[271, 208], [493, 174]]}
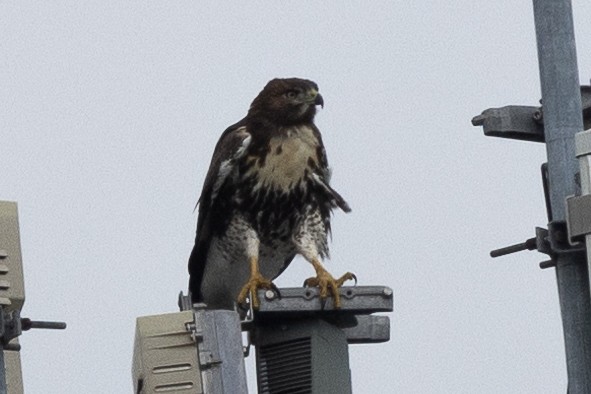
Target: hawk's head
{"points": [[287, 102]]}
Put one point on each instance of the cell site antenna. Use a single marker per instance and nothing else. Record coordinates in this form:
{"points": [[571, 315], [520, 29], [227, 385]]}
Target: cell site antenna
{"points": [[301, 345], [12, 299]]}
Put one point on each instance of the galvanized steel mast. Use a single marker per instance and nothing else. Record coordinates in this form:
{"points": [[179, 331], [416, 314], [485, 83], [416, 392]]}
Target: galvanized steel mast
{"points": [[569, 214], [562, 113]]}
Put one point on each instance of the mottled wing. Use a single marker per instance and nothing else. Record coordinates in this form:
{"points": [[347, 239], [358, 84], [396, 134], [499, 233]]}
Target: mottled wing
{"points": [[229, 148]]}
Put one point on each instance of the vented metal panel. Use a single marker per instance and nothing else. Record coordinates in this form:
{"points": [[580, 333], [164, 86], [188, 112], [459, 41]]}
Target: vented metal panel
{"points": [[286, 367], [305, 356]]}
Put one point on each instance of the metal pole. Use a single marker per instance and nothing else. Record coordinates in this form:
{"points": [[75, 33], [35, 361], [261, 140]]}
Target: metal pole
{"points": [[583, 145], [2, 372], [561, 100]]}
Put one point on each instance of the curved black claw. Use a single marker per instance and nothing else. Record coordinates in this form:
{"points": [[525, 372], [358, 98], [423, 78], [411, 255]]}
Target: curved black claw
{"points": [[275, 290]]}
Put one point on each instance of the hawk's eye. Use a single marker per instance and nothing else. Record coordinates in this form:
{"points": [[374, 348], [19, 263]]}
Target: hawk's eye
{"points": [[291, 94]]}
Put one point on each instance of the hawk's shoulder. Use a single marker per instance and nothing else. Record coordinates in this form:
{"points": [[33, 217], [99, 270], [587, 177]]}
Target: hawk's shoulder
{"points": [[230, 147]]}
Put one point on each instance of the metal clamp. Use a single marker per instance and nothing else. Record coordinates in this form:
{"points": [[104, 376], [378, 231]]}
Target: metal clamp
{"points": [[551, 242], [520, 122], [513, 121], [12, 326]]}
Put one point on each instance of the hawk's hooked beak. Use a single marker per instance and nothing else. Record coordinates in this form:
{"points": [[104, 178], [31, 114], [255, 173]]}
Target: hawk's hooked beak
{"points": [[318, 100]]}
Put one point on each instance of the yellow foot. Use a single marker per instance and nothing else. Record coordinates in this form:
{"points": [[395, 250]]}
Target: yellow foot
{"points": [[325, 281], [255, 282]]}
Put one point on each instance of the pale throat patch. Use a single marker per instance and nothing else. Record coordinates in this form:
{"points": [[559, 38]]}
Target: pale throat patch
{"points": [[288, 159]]}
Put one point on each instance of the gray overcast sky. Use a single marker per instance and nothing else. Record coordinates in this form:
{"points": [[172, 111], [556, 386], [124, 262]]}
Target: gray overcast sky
{"points": [[109, 115]]}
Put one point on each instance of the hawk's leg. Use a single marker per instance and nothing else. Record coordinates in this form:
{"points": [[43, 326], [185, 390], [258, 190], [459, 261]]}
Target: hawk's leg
{"points": [[255, 282], [326, 282]]}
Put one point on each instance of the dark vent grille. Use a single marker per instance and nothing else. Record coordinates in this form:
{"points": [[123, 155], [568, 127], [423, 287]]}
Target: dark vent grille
{"points": [[286, 367]]}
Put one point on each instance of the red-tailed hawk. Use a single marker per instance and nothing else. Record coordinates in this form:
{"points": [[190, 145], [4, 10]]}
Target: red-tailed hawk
{"points": [[265, 199]]}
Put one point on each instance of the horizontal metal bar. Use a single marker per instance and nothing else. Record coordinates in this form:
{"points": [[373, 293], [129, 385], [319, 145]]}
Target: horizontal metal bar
{"points": [[356, 300], [369, 329], [513, 121], [27, 324]]}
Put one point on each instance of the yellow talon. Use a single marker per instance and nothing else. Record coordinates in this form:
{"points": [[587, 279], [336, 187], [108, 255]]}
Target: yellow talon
{"points": [[255, 282], [325, 281]]}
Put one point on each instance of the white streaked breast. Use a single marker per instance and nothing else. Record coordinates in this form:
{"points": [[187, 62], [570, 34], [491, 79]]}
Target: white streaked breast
{"points": [[288, 159]]}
